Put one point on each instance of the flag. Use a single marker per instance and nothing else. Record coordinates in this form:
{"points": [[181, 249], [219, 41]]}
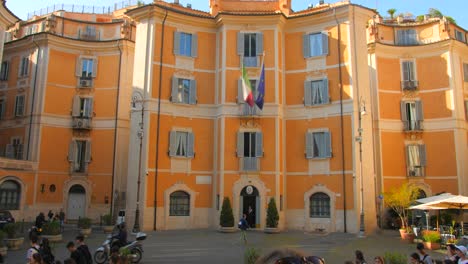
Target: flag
{"points": [[261, 89], [246, 88]]}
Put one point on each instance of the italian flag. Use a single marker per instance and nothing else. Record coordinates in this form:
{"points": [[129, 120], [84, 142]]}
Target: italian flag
{"points": [[246, 88]]}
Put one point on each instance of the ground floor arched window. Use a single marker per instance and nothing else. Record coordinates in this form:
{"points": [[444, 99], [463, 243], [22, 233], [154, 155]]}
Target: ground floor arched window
{"points": [[10, 194], [179, 204], [319, 205]]}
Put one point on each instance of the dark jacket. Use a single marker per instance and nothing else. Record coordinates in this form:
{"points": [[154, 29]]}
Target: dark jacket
{"points": [[243, 225], [84, 250], [78, 257]]}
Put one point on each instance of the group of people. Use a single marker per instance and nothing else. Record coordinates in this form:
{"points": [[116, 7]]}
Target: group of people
{"points": [[42, 253], [41, 219]]}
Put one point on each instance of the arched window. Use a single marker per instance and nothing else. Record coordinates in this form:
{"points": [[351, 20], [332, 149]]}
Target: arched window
{"points": [[319, 205], [10, 193], [179, 204]]}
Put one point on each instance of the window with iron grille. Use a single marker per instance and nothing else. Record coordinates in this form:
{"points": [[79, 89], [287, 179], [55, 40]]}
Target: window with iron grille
{"points": [[319, 205], [10, 194], [179, 204]]}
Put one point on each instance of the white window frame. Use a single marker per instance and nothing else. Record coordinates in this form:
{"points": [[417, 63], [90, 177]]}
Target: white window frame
{"points": [[251, 163], [406, 42], [309, 91], [310, 143], [83, 107], [308, 47], [23, 70], [20, 108], [413, 121], [419, 161], [178, 45], [402, 73], [181, 140], [178, 95], [80, 65], [253, 58]]}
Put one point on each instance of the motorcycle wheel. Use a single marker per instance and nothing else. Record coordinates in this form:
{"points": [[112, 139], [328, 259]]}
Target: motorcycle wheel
{"points": [[100, 257], [138, 255]]}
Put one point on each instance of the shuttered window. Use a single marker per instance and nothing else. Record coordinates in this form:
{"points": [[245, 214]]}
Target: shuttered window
{"points": [[19, 105], [412, 115], [82, 107], [79, 155], [250, 46], [318, 145], [185, 44], [416, 159], [316, 92], [24, 67], [465, 72], [86, 68], [4, 71], [181, 144], [184, 91], [315, 44], [408, 71], [459, 35], [319, 205], [407, 37], [250, 148]]}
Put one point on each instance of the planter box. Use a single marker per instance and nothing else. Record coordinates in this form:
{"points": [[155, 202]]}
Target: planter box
{"points": [[14, 243], [409, 237], [53, 238], [85, 231], [271, 230], [432, 245], [3, 251], [108, 229], [227, 229]]}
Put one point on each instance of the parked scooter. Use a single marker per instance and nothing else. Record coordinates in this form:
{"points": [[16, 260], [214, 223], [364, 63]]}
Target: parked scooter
{"points": [[135, 248]]}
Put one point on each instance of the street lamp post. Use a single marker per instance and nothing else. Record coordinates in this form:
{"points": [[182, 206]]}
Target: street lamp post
{"points": [[138, 98], [362, 111]]}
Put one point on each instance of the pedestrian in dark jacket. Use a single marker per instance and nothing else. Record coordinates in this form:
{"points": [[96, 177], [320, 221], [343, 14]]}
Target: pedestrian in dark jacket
{"points": [[46, 252], [75, 254], [83, 249]]}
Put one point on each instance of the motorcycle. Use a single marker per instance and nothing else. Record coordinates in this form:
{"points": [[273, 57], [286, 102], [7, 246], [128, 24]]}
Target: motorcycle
{"points": [[135, 249]]}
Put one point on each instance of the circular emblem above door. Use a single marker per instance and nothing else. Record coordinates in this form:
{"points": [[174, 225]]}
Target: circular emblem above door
{"points": [[249, 189]]}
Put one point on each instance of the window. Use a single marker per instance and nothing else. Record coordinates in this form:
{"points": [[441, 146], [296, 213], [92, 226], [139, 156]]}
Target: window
{"points": [[408, 76], [407, 37], [316, 92], [79, 154], [24, 67], [185, 44], [4, 71], [2, 108], [10, 194], [250, 148], [459, 35], [86, 69], [318, 145], [179, 204], [465, 72], [412, 115], [82, 107], [319, 205], [181, 144], [415, 159], [184, 91], [315, 44], [15, 149], [19, 105], [249, 47]]}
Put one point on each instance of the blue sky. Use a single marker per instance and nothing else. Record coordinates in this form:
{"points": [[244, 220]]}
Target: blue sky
{"points": [[455, 8]]}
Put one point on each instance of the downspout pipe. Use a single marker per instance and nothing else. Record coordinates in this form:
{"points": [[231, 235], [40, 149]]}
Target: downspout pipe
{"points": [[158, 119], [343, 174], [115, 130], [33, 97]]}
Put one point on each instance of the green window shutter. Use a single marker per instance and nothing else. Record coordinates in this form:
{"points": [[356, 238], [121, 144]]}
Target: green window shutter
{"points": [[190, 145], [422, 155], [309, 145], [172, 143], [240, 144], [194, 45], [240, 43], [325, 43], [177, 43], [258, 144], [306, 45], [307, 93], [193, 92], [259, 40], [325, 91], [175, 90]]}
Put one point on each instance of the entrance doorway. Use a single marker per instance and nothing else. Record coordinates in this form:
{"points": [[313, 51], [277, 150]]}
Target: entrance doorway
{"points": [[76, 202], [250, 205]]}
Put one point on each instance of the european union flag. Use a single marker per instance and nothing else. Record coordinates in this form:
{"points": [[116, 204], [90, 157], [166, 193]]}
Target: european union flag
{"points": [[261, 89]]}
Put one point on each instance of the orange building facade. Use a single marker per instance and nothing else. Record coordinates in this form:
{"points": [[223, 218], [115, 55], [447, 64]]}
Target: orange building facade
{"points": [[144, 108]]}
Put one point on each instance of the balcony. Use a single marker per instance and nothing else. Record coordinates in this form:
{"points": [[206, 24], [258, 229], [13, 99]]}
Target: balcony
{"points": [[415, 171], [81, 123], [409, 85], [412, 125], [13, 164], [251, 61], [248, 111], [250, 164]]}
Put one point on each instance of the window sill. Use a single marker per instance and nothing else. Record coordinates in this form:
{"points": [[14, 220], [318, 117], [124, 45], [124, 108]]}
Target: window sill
{"points": [[320, 217], [316, 57], [181, 157], [318, 158], [317, 105]]}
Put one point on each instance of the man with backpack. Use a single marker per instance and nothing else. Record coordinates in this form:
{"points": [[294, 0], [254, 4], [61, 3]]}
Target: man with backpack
{"points": [[83, 249], [33, 249], [243, 226], [46, 252], [75, 254], [425, 258]]}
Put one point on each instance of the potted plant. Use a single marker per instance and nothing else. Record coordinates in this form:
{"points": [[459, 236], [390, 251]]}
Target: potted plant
{"points": [[226, 219], [272, 218], [14, 238], [3, 247], [399, 200], [52, 231], [431, 239], [395, 258], [251, 255], [107, 226], [84, 225]]}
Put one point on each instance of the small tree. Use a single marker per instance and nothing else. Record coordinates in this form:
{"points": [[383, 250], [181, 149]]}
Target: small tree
{"points": [[391, 12], [226, 219], [272, 214], [400, 199]]}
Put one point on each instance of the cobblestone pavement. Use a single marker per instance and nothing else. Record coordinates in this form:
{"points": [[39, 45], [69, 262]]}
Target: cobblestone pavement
{"points": [[209, 246]]}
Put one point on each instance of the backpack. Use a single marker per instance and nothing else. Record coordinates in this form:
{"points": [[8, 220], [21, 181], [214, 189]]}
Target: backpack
{"points": [[47, 256]]}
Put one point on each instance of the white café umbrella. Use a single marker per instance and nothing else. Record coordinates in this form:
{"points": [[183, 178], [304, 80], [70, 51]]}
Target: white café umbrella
{"points": [[456, 202], [435, 198], [426, 207]]}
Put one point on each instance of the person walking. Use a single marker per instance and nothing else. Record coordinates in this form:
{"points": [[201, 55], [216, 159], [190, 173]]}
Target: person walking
{"points": [[423, 256], [75, 254], [83, 249], [33, 249], [461, 252], [360, 257], [61, 217], [46, 252], [243, 226], [415, 259]]}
